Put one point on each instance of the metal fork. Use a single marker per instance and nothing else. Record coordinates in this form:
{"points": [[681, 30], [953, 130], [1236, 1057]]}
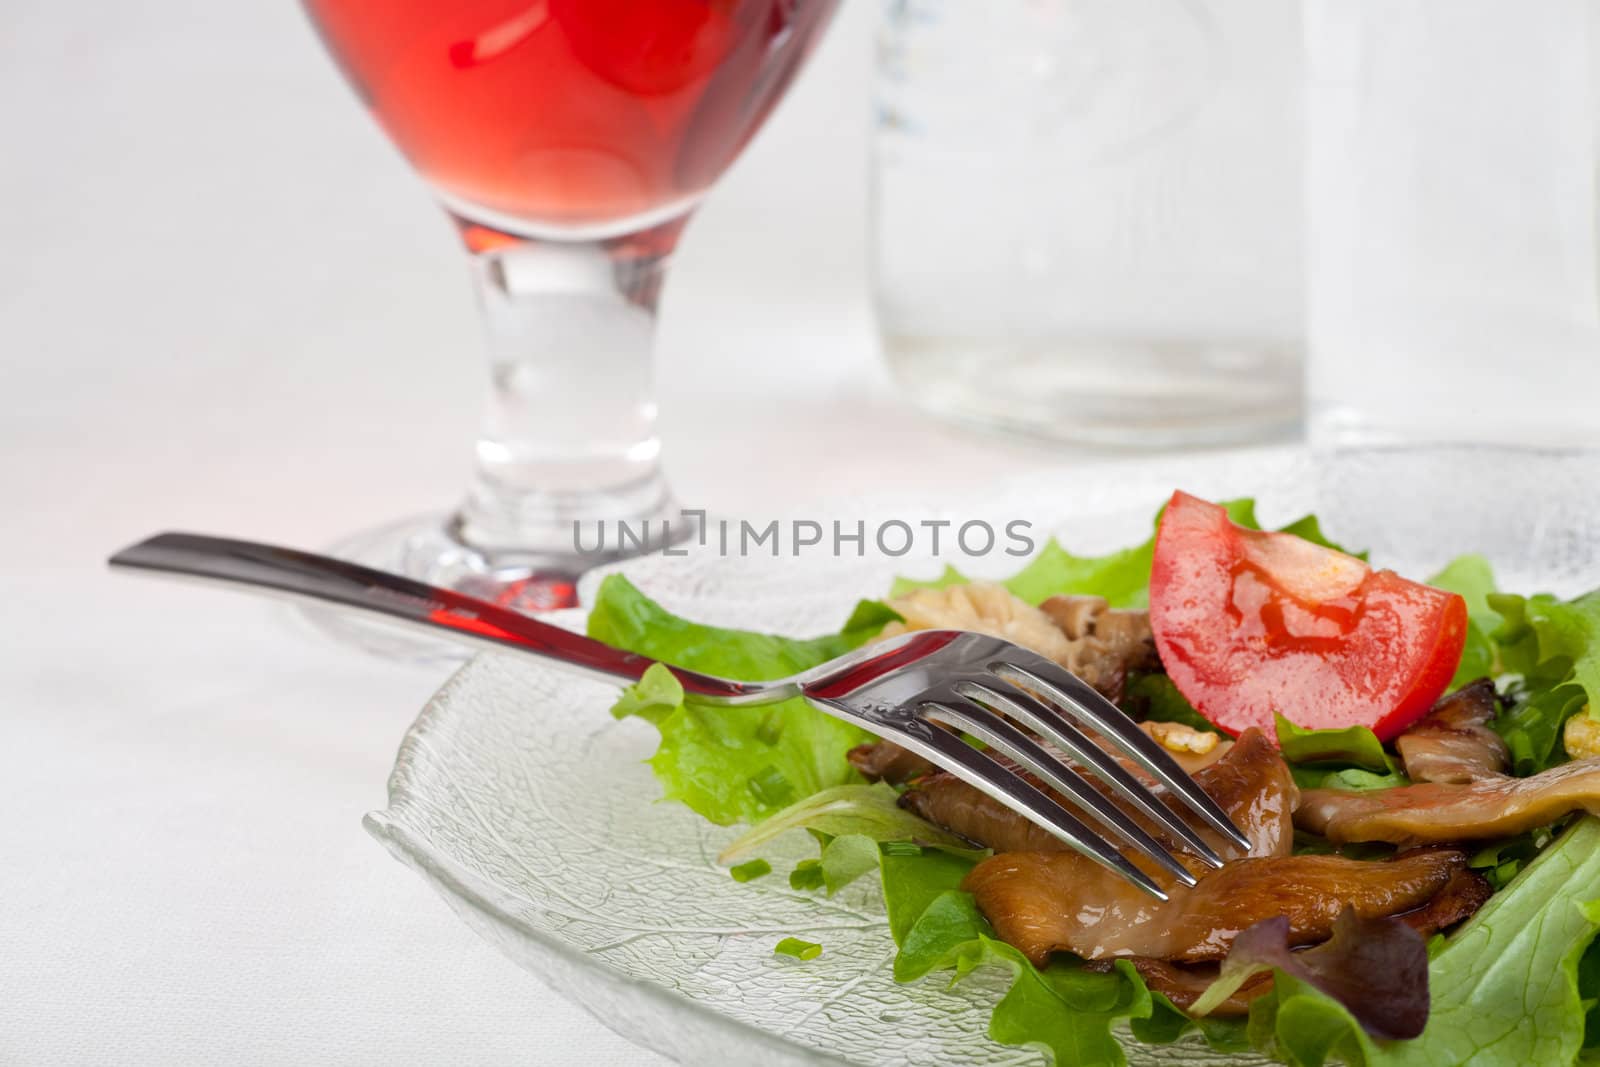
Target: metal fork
{"points": [[899, 689]]}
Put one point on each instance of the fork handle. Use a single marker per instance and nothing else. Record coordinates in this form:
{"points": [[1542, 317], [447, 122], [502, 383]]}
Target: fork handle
{"points": [[468, 620]]}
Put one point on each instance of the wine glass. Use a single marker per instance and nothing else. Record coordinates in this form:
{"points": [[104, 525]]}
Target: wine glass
{"points": [[570, 140]]}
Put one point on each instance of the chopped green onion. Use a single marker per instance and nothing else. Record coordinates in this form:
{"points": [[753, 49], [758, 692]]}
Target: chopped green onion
{"points": [[807, 874], [745, 872], [770, 732], [800, 950], [900, 848], [771, 787]]}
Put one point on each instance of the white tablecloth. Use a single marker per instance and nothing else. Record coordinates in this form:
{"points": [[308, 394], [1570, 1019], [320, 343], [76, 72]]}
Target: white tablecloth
{"points": [[226, 306]]}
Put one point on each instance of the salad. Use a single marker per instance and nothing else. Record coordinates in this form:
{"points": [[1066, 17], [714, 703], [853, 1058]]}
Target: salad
{"points": [[1415, 764]]}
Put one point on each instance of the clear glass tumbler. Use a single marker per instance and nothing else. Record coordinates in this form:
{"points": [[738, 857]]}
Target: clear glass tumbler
{"points": [[1088, 215], [1452, 165]]}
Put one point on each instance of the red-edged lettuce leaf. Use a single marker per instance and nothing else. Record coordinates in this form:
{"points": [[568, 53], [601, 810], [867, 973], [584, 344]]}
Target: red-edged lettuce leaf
{"points": [[1376, 968], [1506, 989]]}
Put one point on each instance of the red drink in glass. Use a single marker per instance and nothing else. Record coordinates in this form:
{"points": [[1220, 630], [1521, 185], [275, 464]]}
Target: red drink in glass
{"points": [[561, 117]]}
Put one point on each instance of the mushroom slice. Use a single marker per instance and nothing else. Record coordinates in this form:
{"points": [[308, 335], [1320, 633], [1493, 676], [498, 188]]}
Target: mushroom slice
{"points": [[1439, 812], [1459, 900], [985, 608], [1462, 895], [885, 761], [1044, 902], [1454, 743]]}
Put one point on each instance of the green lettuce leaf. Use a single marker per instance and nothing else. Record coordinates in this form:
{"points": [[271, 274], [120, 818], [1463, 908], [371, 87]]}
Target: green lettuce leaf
{"points": [[1505, 987], [1501, 861], [1352, 745], [1472, 578], [1309, 527], [1477, 659], [1552, 647], [843, 860], [912, 878], [731, 764], [1548, 639], [944, 929], [1347, 778], [1122, 577], [1063, 1008], [1532, 726], [1541, 635], [1167, 1023], [846, 858], [1350, 757], [1589, 991]]}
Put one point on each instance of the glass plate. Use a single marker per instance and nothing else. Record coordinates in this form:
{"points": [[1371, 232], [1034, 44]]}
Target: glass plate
{"points": [[532, 812]]}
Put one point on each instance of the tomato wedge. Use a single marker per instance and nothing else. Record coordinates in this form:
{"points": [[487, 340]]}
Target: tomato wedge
{"points": [[1249, 623]]}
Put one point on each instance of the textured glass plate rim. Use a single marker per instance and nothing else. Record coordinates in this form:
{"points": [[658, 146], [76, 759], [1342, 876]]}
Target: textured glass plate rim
{"points": [[477, 903], [490, 909]]}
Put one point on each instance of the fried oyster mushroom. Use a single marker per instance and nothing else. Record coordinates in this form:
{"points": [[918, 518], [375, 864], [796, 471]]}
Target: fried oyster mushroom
{"points": [[1183, 984], [1042, 898], [1454, 743], [1062, 902], [1082, 634], [885, 761], [984, 608], [1436, 812], [1111, 642]]}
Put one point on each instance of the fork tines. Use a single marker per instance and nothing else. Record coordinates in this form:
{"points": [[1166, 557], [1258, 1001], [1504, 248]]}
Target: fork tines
{"points": [[1035, 712]]}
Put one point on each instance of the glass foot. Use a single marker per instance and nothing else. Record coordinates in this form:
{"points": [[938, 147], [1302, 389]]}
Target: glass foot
{"points": [[425, 549], [1119, 392]]}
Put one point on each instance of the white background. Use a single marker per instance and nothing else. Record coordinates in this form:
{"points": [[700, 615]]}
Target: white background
{"points": [[225, 305]]}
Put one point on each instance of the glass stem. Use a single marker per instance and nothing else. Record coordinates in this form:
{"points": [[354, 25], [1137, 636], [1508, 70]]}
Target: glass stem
{"points": [[569, 438]]}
